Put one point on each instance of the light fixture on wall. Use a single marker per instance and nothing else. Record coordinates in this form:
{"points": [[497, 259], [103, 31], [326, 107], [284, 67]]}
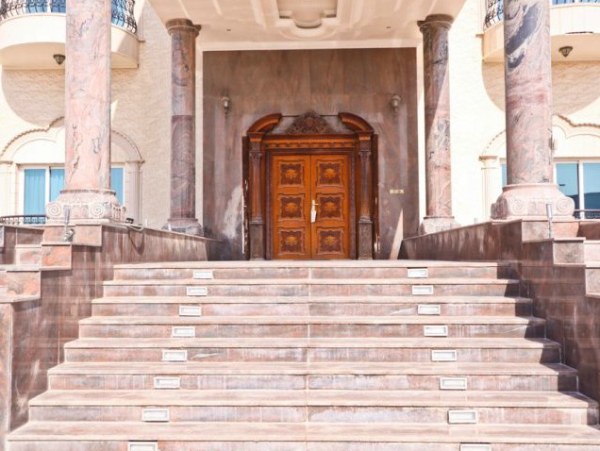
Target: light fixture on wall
{"points": [[59, 58], [395, 102], [566, 50], [226, 102]]}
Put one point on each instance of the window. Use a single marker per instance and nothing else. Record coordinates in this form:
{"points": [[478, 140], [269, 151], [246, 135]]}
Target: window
{"points": [[43, 185], [581, 182]]}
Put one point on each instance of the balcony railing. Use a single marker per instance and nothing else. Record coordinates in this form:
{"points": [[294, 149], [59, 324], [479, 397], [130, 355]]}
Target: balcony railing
{"points": [[17, 220], [495, 10], [122, 10]]}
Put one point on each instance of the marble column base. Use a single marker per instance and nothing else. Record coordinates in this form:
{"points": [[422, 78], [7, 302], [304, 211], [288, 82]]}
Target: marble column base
{"points": [[529, 201], [85, 207], [189, 226], [433, 224]]}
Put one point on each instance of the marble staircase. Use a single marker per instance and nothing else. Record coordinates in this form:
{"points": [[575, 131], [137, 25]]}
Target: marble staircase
{"points": [[370, 356]]}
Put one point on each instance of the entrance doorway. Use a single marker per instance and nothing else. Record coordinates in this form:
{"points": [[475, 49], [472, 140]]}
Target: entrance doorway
{"points": [[310, 199], [310, 187]]}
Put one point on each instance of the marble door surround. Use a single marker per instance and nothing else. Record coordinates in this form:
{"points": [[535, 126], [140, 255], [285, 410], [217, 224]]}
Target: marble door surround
{"points": [[435, 29], [87, 197], [528, 78], [182, 216]]}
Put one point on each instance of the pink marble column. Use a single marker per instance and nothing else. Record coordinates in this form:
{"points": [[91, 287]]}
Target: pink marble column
{"points": [[183, 130], [528, 77], [87, 197], [435, 29]]}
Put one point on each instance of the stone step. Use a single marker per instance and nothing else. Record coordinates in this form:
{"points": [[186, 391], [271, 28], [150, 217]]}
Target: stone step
{"points": [[316, 406], [315, 305], [314, 349], [312, 287], [591, 250], [310, 270], [316, 376], [28, 254], [309, 326], [114, 436]]}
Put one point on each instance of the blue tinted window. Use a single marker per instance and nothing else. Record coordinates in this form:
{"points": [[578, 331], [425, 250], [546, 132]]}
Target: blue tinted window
{"points": [[57, 182], [591, 185], [504, 174], [116, 183], [567, 177], [35, 192]]}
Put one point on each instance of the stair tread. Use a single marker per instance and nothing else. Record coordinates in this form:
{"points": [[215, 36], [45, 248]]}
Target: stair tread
{"points": [[327, 368], [551, 434], [310, 299], [316, 281], [418, 342], [310, 264], [332, 319], [415, 398]]}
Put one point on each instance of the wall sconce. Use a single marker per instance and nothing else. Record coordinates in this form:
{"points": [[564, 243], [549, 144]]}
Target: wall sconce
{"points": [[566, 50], [59, 58], [395, 102], [226, 102]]}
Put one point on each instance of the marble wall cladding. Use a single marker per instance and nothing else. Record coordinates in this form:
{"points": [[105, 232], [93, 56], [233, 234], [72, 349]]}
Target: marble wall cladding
{"points": [[572, 315], [359, 81], [34, 332], [11, 236]]}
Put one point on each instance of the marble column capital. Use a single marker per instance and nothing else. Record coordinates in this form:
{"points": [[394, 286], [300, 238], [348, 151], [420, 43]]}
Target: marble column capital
{"points": [[182, 25], [436, 21]]}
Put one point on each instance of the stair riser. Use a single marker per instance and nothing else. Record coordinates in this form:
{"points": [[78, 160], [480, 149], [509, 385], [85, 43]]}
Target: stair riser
{"points": [[312, 331], [301, 354], [28, 255], [316, 382], [321, 309], [305, 273], [495, 289], [591, 252], [280, 446], [351, 414]]}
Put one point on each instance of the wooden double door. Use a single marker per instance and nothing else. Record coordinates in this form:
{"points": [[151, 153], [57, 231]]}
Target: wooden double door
{"points": [[311, 213]]}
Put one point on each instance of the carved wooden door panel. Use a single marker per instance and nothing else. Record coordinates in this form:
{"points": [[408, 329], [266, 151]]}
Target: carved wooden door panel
{"points": [[310, 206]]}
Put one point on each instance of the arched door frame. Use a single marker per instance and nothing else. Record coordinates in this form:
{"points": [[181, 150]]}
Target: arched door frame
{"points": [[306, 129]]}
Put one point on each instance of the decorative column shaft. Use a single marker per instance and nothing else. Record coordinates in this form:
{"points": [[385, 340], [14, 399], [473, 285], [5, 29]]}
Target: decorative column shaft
{"points": [[528, 78], [365, 223], [183, 128], [87, 196], [257, 221], [435, 29]]}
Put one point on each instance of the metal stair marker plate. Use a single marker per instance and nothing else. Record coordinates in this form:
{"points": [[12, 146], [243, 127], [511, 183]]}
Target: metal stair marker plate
{"points": [[196, 291], [475, 447], [417, 273], [422, 290], [462, 416], [203, 275], [174, 355], [435, 331], [190, 310], [444, 355], [167, 383], [429, 309], [183, 332], [453, 383], [142, 446], [155, 415]]}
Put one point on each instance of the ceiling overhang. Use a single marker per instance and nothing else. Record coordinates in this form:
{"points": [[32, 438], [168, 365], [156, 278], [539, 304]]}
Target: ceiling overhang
{"points": [[265, 24]]}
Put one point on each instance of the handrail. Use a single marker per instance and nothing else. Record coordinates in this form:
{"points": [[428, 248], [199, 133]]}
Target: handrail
{"points": [[23, 220], [495, 9], [588, 213], [122, 10]]}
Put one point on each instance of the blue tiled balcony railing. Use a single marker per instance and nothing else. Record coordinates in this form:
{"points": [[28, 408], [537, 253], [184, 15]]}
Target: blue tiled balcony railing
{"points": [[122, 10], [495, 9]]}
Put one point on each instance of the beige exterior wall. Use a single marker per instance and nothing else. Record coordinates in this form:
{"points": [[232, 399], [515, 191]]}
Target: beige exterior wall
{"points": [[141, 112]]}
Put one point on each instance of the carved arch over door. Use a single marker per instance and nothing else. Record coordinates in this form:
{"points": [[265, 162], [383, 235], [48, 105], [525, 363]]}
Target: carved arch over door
{"points": [[346, 135]]}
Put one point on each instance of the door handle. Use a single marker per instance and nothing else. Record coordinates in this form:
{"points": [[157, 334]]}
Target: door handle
{"points": [[313, 211]]}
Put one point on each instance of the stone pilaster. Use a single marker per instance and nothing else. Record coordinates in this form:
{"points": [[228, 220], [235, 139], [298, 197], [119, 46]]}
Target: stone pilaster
{"points": [[528, 77], [183, 126], [435, 29], [87, 197]]}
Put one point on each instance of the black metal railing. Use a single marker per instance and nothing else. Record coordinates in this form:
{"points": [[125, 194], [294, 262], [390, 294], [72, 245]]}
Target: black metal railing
{"points": [[587, 214], [495, 9], [16, 220], [122, 10]]}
